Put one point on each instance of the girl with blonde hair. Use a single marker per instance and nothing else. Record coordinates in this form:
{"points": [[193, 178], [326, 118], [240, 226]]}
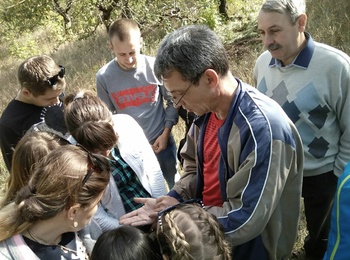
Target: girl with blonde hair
{"points": [[186, 231], [28, 152], [59, 200]]}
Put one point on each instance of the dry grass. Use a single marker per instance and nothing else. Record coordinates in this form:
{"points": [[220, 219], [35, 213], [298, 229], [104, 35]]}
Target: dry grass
{"points": [[328, 23]]}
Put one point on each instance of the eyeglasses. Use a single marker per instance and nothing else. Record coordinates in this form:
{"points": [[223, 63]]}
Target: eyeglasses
{"points": [[183, 94], [161, 237], [98, 161], [53, 80]]}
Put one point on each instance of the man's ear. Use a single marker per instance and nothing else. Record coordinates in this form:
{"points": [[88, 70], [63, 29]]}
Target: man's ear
{"points": [[26, 92], [110, 46], [212, 78], [302, 20]]}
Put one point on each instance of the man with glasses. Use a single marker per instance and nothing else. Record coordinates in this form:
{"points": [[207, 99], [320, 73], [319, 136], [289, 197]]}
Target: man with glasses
{"points": [[311, 81], [243, 156], [42, 82]]}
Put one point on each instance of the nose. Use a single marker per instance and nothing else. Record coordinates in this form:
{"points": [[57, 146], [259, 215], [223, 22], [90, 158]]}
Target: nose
{"points": [[267, 40], [130, 59]]}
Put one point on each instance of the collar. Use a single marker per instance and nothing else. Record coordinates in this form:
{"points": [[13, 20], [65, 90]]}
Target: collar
{"points": [[302, 59], [201, 120]]}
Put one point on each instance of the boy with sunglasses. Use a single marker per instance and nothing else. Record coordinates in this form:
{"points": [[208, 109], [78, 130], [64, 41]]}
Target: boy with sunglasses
{"points": [[42, 82]]}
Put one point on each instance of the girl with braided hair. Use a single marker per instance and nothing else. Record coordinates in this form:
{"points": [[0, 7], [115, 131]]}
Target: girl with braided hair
{"points": [[186, 231], [59, 200]]}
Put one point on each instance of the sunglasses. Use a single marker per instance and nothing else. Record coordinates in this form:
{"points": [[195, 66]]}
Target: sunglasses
{"points": [[161, 237], [99, 163], [53, 80]]}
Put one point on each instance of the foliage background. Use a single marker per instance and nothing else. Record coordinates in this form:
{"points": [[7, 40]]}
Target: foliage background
{"points": [[74, 34]]}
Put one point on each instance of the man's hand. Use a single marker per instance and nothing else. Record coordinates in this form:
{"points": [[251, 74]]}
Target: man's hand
{"points": [[162, 141], [142, 216], [165, 202]]}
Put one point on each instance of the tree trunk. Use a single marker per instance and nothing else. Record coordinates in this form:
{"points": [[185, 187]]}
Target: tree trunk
{"points": [[223, 8]]}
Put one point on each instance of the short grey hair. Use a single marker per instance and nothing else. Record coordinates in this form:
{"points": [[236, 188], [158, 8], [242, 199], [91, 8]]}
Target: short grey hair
{"points": [[293, 8], [190, 50]]}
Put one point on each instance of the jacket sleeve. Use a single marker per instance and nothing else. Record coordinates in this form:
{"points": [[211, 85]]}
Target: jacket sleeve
{"points": [[138, 154], [104, 220], [152, 173], [185, 188], [341, 105], [110, 208]]}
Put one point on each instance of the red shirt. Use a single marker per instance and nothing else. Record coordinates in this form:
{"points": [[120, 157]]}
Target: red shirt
{"points": [[211, 153]]}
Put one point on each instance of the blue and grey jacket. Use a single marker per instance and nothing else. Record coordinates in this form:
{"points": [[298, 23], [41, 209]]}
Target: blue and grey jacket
{"points": [[260, 175]]}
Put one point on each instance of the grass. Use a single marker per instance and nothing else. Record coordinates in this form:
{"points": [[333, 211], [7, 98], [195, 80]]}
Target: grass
{"points": [[328, 23]]}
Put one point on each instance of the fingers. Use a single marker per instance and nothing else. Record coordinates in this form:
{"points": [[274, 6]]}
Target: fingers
{"points": [[159, 145], [139, 220], [149, 203], [161, 148], [155, 146], [129, 215], [157, 149], [143, 200], [125, 221], [142, 222]]}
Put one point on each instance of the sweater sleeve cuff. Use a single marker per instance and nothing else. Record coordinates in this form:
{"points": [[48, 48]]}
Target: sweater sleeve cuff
{"points": [[169, 124], [175, 195]]}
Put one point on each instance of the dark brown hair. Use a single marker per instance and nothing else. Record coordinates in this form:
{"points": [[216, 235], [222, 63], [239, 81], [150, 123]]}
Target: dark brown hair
{"points": [[89, 121]]}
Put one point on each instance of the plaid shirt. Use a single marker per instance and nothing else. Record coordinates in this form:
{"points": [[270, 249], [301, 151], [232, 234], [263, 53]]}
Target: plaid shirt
{"points": [[128, 184]]}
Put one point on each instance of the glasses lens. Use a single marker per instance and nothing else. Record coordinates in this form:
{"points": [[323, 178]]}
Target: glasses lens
{"points": [[99, 163], [62, 72], [53, 80]]}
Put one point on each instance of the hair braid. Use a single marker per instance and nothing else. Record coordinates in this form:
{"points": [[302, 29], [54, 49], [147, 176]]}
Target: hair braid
{"points": [[193, 233], [224, 248], [178, 243]]}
